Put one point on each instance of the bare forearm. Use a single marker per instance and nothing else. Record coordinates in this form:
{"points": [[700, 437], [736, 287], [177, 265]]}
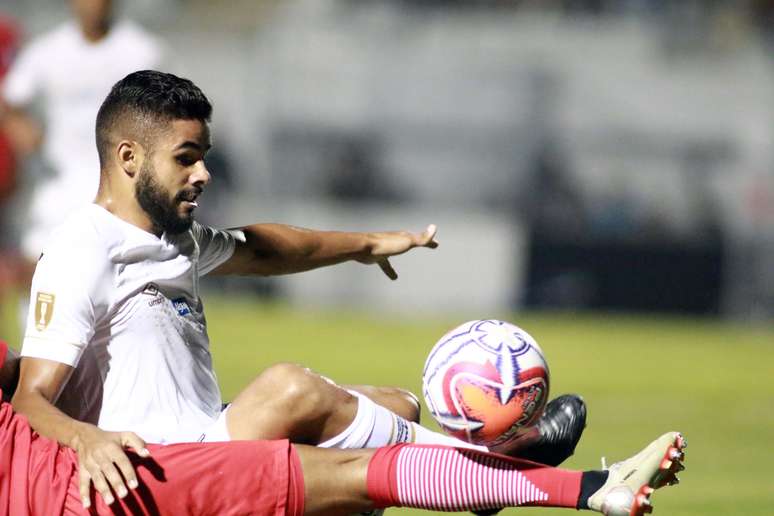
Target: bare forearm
{"points": [[47, 420], [272, 249]]}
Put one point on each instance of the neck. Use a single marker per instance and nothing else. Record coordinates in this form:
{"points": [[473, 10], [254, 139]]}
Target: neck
{"points": [[95, 33]]}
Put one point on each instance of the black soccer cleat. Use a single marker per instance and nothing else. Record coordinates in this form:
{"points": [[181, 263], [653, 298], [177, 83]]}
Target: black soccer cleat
{"points": [[554, 437]]}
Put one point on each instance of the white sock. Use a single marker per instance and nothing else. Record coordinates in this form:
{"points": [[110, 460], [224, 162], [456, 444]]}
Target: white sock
{"points": [[423, 435], [374, 426]]}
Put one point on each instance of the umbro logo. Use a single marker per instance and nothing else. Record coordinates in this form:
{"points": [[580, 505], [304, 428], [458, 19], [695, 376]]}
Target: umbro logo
{"points": [[151, 290]]}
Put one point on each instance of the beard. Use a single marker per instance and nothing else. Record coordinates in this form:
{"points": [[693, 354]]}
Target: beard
{"points": [[155, 201]]}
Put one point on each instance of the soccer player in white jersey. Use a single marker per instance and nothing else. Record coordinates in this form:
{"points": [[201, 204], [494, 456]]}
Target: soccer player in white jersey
{"points": [[69, 70], [116, 334]]}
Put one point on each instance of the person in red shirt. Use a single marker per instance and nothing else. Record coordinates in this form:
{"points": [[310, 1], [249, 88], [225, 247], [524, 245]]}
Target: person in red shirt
{"points": [[9, 42], [40, 477]]}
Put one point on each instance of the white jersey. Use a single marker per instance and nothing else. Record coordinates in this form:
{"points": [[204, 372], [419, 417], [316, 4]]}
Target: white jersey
{"points": [[122, 307], [71, 77]]}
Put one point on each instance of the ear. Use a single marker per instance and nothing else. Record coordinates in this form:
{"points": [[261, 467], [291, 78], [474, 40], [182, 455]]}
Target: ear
{"points": [[130, 155]]}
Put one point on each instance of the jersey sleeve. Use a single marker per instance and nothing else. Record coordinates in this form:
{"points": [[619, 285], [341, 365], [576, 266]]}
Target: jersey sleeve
{"points": [[216, 246], [23, 82], [64, 304]]}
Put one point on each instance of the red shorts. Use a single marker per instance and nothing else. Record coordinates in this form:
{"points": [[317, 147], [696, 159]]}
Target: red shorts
{"points": [[226, 478]]}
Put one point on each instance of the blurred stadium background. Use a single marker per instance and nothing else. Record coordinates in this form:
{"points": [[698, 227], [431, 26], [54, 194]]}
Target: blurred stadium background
{"points": [[601, 172]]}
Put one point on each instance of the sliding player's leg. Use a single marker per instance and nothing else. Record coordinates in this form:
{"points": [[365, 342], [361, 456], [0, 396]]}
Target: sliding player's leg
{"points": [[453, 479], [231, 478]]}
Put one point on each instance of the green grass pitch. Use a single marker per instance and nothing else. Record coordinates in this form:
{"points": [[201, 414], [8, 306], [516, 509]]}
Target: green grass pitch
{"points": [[640, 376]]}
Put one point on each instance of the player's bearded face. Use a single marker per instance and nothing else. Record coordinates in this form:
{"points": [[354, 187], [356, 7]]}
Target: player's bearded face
{"points": [[163, 207]]}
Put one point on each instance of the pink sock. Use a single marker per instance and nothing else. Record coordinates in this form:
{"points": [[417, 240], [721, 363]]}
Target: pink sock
{"points": [[456, 479]]}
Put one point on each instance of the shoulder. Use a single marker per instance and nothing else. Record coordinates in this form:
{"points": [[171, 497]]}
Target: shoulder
{"points": [[53, 40], [204, 234], [80, 243], [200, 230]]}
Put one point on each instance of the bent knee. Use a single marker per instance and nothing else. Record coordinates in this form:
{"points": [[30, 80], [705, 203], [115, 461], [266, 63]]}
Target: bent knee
{"points": [[299, 391], [408, 406]]}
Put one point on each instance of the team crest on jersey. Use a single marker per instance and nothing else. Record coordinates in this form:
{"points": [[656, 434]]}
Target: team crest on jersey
{"points": [[44, 310], [181, 305]]}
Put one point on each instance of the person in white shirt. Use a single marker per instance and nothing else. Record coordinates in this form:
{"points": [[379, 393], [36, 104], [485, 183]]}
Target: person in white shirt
{"points": [[116, 350], [69, 70]]}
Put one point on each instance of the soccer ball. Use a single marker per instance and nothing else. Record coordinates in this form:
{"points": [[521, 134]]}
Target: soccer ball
{"points": [[485, 382]]}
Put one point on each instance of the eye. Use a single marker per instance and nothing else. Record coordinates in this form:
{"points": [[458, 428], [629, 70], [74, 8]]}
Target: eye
{"points": [[186, 160]]}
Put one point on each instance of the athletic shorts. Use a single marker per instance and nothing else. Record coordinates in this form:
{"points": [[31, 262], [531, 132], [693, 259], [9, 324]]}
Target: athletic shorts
{"points": [[203, 479]]}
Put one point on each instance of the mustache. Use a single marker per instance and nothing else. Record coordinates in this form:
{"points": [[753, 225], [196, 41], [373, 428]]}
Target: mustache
{"points": [[188, 195]]}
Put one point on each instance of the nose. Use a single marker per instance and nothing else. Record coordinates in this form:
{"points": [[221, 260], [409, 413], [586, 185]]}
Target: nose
{"points": [[201, 176]]}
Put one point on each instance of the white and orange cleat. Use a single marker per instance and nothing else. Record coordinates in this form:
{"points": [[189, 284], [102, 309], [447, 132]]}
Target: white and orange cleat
{"points": [[630, 482]]}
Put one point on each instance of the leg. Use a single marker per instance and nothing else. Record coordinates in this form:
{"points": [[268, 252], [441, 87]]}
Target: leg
{"points": [[231, 478], [335, 480], [450, 479], [290, 401], [399, 401]]}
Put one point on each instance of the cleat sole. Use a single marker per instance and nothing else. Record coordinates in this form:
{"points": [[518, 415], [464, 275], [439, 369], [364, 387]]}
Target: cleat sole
{"points": [[671, 464]]}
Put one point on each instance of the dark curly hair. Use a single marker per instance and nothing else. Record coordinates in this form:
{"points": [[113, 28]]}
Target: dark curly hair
{"points": [[148, 98]]}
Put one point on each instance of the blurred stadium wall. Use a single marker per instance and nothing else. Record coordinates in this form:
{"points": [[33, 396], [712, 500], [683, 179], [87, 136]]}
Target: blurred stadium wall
{"points": [[575, 154]]}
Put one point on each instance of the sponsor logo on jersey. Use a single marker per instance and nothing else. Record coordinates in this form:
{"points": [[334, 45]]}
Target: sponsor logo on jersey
{"points": [[181, 305], [44, 310]]}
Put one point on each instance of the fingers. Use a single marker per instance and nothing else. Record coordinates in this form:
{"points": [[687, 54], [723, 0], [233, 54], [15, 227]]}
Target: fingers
{"points": [[94, 473], [127, 471], [84, 483], [387, 269], [133, 441], [427, 239], [114, 479], [109, 468]]}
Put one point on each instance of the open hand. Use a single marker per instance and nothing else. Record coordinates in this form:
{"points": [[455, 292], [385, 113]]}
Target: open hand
{"points": [[392, 243], [103, 461]]}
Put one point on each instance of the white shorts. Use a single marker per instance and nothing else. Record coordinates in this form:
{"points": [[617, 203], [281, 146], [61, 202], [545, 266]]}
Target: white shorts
{"points": [[218, 431]]}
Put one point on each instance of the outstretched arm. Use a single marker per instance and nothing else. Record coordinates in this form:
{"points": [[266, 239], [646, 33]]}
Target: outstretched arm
{"points": [[272, 249]]}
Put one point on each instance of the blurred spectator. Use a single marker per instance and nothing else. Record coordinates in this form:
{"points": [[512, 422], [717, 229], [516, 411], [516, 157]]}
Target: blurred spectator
{"points": [[9, 39], [68, 72]]}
